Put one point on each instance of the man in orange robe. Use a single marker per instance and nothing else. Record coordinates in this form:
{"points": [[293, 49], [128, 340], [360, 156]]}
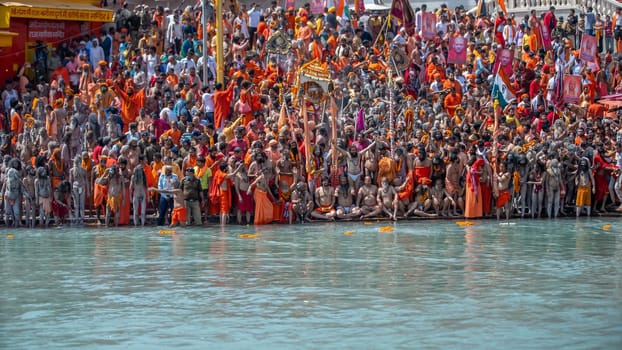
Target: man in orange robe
{"points": [[131, 103]]}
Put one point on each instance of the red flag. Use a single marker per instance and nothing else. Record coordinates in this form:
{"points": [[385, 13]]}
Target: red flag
{"points": [[360, 121], [359, 6], [402, 10]]}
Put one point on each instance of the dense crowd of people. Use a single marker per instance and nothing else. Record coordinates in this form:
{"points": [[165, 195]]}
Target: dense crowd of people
{"points": [[122, 122]]}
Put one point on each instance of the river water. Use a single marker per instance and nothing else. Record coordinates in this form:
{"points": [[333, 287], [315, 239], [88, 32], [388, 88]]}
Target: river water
{"points": [[432, 285]]}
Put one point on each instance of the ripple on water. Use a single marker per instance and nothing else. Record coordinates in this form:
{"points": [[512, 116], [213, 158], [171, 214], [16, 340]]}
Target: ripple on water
{"points": [[433, 284]]}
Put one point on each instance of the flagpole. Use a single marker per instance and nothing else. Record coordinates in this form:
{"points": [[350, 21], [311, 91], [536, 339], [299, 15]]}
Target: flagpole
{"points": [[383, 28], [390, 85], [334, 158]]}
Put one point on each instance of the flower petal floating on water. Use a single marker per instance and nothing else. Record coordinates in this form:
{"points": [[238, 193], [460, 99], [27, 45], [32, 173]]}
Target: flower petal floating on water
{"points": [[248, 235], [10, 235], [349, 233], [464, 223], [168, 232], [607, 227], [387, 229]]}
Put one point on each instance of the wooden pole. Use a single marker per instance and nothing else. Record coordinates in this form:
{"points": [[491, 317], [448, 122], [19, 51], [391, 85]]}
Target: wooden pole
{"points": [[220, 62]]}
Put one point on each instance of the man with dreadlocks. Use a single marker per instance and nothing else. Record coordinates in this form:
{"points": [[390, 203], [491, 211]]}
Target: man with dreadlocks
{"points": [[116, 193], [138, 193], [78, 177], [43, 192], [585, 186], [13, 189], [100, 185]]}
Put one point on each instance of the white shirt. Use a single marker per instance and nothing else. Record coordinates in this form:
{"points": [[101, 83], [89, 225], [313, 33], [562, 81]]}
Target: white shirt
{"points": [[211, 64], [208, 102], [509, 34], [152, 62], [365, 20], [187, 63], [253, 17], [177, 67], [174, 32], [243, 26], [418, 17], [167, 115], [399, 40], [97, 54], [550, 88], [441, 27]]}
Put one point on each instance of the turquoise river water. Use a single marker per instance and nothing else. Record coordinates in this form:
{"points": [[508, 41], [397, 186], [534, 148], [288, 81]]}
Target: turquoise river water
{"points": [[425, 285]]}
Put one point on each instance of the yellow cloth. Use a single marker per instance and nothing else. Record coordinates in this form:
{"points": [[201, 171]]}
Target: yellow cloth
{"points": [[114, 203], [584, 196]]}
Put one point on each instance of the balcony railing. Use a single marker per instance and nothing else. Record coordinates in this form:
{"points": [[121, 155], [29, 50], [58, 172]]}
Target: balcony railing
{"points": [[603, 7]]}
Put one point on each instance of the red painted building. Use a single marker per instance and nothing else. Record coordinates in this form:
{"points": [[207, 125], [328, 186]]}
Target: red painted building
{"points": [[52, 22]]}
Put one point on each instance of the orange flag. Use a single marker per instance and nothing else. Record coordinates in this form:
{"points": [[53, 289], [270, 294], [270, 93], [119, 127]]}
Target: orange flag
{"points": [[340, 4], [502, 6]]}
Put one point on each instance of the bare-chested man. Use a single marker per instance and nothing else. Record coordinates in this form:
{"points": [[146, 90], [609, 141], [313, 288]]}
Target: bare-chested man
{"points": [[138, 192], [115, 194], [133, 154], [422, 201], [387, 198], [585, 187], [367, 199], [286, 173], [79, 181], [504, 202], [301, 203], [43, 193], [440, 199], [179, 214], [324, 201], [354, 162], [29, 197], [455, 191], [345, 195], [552, 182], [13, 189]]}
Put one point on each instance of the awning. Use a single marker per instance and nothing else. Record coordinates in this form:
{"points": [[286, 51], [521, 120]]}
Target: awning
{"points": [[59, 11], [6, 38], [610, 103]]}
